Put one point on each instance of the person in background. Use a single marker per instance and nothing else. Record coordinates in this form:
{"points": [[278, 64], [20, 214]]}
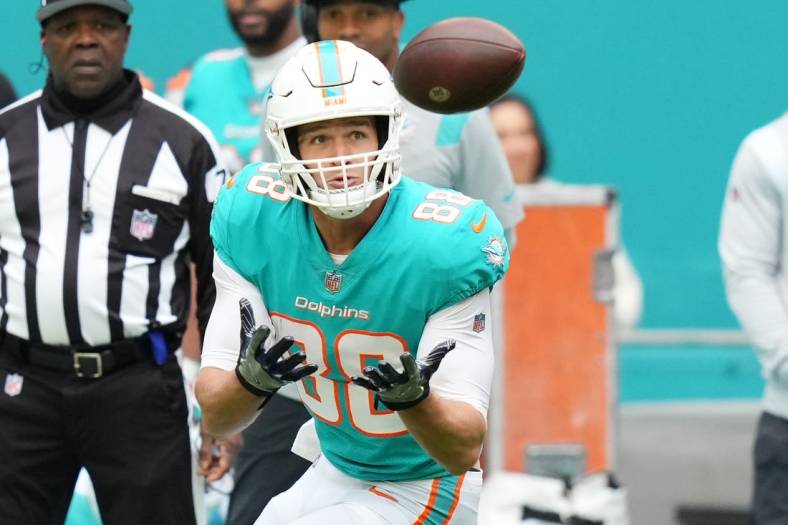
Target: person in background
{"points": [[753, 245], [519, 130], [106, 193], [7, 93], [520, 133], [226, 88]]}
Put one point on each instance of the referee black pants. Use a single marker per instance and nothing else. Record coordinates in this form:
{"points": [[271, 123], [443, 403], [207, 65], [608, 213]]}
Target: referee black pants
{"points": [[128, 429]]}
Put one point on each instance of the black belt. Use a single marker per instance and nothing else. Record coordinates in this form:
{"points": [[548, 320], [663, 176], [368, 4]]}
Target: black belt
{"points": [[84, 361]]}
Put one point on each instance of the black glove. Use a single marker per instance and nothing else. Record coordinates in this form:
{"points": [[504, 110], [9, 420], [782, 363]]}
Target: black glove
{"points": [[401, 390], [262, 372]]}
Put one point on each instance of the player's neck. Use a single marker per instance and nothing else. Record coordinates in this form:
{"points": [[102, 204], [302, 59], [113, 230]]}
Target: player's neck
{"points": [[340, 236], [288, 37]]}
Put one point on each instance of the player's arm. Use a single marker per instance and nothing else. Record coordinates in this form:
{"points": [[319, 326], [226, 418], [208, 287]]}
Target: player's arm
{"points": [[750, 247], [449, 419], [452, 432], [227, 407], [242, 366]]}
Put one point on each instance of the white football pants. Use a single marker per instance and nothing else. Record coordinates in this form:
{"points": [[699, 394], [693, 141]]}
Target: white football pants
{"points": [[326, 495]]}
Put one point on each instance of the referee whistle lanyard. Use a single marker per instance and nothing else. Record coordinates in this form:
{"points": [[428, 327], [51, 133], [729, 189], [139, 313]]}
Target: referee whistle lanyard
{"points": [[78, 145]]}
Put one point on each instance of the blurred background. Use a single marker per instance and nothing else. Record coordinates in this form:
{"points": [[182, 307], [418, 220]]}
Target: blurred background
{"points": [[650, 97]]}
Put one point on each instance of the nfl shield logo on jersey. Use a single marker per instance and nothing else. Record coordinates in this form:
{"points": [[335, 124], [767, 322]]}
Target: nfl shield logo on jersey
{"points": [[478, 323], [13, 384], [143, 224], [333, 281]]}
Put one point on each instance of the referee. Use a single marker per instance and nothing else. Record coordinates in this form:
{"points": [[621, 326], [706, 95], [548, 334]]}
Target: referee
{"points": [[105, 201]]}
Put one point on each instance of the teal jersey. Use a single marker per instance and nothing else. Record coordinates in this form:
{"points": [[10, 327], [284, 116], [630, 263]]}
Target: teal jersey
{"points": [[222, 95], [429, 249]]}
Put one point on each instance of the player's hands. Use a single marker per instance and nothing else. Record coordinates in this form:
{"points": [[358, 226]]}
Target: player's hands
{"points": [[217, 455], [262, 372], [401, 390]]}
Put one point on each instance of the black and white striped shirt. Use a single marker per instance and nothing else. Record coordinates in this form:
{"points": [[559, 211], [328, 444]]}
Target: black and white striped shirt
{"points": [[148, 173]]}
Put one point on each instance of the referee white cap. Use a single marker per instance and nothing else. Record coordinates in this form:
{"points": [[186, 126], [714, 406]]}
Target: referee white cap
{"points": [[53, 7]]}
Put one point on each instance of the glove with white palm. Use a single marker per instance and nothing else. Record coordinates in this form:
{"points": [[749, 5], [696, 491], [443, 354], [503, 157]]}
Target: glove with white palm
{"points": [[406, 389]]}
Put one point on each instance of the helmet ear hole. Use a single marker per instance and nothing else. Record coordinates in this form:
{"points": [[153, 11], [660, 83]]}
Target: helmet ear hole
{"points": [[291, 134], [382, 128]]}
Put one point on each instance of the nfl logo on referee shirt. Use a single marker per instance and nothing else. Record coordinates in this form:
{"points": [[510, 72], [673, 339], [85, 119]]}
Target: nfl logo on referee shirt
{"points": [[13, 384], [333, 281], [478, 323], [143, 225]]}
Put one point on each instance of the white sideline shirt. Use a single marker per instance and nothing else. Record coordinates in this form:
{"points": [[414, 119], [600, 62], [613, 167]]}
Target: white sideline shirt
{"points": [[753, 245]]}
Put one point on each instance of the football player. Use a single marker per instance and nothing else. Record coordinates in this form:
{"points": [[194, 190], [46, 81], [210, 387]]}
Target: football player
{"points": [[371, 291]]}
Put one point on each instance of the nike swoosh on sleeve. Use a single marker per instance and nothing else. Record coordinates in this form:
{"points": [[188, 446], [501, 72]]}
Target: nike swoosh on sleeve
{"points": [[478, 227]]}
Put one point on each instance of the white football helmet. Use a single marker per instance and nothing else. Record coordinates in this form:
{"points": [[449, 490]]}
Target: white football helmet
{"points": [[330, 80]]}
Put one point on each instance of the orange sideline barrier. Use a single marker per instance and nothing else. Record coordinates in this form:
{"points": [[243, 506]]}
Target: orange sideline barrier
{"points": [[557, 362]]}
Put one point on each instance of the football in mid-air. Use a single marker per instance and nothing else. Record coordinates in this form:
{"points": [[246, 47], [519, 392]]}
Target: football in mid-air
{"points": [[458, 65]]}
